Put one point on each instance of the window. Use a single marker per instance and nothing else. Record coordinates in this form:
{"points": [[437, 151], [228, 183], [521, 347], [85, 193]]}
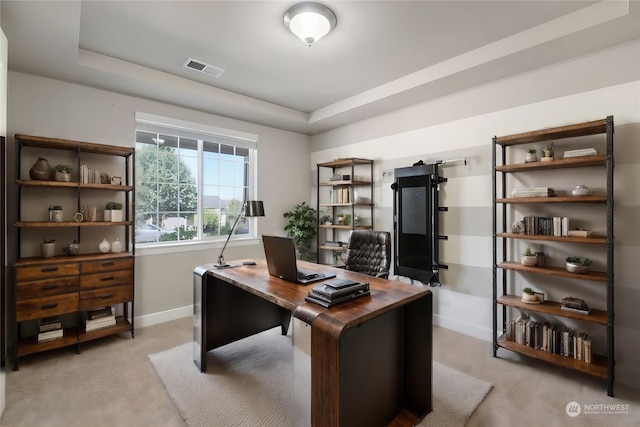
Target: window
{"points": [[191, 180]]}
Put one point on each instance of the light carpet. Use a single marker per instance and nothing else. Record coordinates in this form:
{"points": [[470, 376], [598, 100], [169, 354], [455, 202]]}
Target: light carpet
{"points": [[250, 383]]}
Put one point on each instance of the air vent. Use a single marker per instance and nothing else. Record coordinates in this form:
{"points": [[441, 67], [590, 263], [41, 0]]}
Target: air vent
{"points": [[196, 65]]}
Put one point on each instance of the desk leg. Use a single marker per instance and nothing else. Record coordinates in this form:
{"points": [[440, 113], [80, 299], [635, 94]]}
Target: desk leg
{"points": [[199, 320]]}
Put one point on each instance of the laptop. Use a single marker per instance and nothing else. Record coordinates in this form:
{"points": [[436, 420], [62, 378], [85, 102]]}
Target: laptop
{"points": [[281, 261]]}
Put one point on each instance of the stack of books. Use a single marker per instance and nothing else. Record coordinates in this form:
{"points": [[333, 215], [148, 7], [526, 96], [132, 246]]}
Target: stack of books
{"points": [[50, 329], [533, 192], [575, 305], [337, 291], [100, 318], [581, 152]]}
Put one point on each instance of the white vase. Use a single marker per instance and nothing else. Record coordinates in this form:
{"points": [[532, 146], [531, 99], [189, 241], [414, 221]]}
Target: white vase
{"points": [[116, 246], [104, 246], [107, 215], [116, 216]]}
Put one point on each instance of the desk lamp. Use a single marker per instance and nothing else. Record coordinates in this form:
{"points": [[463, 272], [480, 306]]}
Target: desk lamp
{"points": [[251, 208]]}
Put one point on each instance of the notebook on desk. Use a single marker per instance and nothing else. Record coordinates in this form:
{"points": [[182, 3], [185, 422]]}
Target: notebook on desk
{"points": [[280, 253]]}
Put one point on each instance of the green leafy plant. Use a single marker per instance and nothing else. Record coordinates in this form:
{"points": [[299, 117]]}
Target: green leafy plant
{"points": [[548, 150], [325, 217], [113, 206], [528, 252], [63, 168], [346, 219], [528, 291], [301, 226], [532, 151], [579, 260]]}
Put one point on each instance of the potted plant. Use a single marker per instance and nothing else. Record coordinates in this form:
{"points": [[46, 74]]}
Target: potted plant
{"points": [[301, 225], [325, 218], [531, 156], [528, 295], [547, 153], [63, 173], [529, 258], [347, 219], [578, 264], [113, 212]]}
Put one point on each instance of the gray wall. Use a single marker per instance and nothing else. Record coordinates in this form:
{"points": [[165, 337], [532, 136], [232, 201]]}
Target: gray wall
{"points": [[462, 125], [45, 107]]}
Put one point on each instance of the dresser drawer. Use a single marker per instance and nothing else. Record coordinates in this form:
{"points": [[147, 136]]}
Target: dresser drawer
{"points": [[36, 308], [105, 296], [47, 270], [106, 265], [110, 278], [47, 287]]}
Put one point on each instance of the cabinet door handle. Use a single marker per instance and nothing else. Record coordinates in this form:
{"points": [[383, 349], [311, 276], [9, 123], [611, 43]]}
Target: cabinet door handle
{"points": [[49, 287], [106, 278], [106, 296], [48, 306], [107, 264], [51, 268]]}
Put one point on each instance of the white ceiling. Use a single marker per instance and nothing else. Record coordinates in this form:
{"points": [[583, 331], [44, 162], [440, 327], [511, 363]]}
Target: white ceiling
{"points": [[383, 55]]}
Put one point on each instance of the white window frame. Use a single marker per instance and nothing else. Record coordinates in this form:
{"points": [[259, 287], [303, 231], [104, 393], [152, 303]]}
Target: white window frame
{"points": [[200, 131]]}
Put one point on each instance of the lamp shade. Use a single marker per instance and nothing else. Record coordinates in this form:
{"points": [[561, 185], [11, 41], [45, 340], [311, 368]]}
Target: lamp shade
{"points": [[254, 208], [310, 21]]}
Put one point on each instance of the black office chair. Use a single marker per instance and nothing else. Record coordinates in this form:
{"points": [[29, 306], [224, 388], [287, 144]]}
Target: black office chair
{"points": [[369, 252]]}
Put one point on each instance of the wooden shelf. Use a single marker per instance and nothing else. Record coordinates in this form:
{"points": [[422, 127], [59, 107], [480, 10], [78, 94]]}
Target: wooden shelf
{"points": [[343, 183], [53, 224], [573, 162], [78, 146], [595, 276], [122, 325], [74, 185], [554, 199], [593, 239], [30, 345], [551, 307], [333, 248], [560, 132], [345, 227], [340, 163], [598, 368]]}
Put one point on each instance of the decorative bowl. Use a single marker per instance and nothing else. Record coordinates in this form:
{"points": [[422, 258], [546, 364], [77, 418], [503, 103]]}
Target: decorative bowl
{"points": [[573, 267], [529, 261], [581, 190]]}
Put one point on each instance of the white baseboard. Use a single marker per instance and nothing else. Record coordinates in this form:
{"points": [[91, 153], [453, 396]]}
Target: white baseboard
{"points": [[164, 316], [463, 328]]}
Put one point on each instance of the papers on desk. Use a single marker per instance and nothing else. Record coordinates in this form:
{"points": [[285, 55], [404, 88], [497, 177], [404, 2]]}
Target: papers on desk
{"points": [[333, 292]]}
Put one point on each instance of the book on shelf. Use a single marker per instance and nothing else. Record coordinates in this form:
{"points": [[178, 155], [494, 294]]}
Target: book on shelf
{"points": [[579, 233], [533, 192], [100, 312], [585, 311], [101, 323], [50, 335], [50, 324], [580, 152], [332, 243]]}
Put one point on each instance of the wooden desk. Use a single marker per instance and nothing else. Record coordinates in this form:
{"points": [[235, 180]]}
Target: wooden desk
{"points": [[371, 358]]}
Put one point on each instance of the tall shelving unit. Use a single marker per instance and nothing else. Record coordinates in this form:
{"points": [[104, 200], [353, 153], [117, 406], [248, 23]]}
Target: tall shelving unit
{"points": [[64, 286], [352, 196], [504, 242]]}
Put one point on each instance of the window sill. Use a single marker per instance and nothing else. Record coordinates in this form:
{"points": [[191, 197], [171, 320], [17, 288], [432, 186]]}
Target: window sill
{"points": [[172, 248]]}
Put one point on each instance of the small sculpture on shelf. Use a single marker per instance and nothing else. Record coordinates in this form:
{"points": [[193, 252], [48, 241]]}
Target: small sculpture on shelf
{"points": [[547, 153]]}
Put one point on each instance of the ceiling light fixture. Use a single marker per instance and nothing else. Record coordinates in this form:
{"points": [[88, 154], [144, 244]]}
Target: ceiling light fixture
{"points": [[310, 21]]}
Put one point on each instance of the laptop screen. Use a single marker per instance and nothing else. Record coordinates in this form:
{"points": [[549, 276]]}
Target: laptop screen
{"points": [[280, 253]]}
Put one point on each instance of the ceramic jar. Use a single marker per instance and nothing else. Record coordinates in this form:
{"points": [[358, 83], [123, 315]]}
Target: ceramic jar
{"points": [[48, 249], [40, 170], [55, 213], [581, 190], [116, 246], [104, 246]]}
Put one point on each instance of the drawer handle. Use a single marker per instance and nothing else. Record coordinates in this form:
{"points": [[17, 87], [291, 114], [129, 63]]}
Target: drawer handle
{"points": [[51, 268], [106, 296], [49, 287], [107, 263], [50, 305], [106, 278]]}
